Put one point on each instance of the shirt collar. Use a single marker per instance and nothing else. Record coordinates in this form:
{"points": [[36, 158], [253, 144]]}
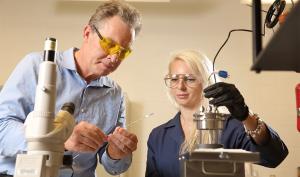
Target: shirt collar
{"points": [[174, 122], [175, 129], [68, 61]]}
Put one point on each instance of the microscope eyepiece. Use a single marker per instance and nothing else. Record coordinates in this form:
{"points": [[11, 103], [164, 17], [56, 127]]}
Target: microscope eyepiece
{"points": [[50, 49]]}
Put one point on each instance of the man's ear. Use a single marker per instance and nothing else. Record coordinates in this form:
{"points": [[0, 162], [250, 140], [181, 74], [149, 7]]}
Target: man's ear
{"points": [[86, 32]]}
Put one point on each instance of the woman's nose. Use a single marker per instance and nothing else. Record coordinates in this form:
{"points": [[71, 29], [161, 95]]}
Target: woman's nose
{"points": [[181, 84]]}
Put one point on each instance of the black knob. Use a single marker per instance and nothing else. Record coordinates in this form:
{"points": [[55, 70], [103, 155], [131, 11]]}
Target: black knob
{"points": [[70, 107]]}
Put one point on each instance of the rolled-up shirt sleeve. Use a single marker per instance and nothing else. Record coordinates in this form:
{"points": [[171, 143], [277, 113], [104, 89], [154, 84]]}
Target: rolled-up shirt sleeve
{"points": [[115, 167]]}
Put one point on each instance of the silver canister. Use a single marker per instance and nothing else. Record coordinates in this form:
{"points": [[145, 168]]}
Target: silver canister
{"points": [[209, 124]]}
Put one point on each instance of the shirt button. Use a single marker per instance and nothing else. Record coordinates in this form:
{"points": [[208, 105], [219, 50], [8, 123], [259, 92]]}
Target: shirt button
{"points": [[82, 110]]}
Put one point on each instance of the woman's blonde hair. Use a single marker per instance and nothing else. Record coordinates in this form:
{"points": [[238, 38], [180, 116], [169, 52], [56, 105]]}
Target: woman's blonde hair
{"points": [[200, 65], [203, 68]]}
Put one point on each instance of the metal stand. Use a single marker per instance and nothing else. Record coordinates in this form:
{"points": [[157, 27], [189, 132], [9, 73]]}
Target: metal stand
{"points": [[216, 162]]}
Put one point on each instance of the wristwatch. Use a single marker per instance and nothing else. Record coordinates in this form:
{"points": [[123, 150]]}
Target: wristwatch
{"points": [[258, 129]]}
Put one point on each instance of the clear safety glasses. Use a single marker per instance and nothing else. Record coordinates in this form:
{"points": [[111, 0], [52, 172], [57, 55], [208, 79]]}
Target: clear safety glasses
{"points": [[172, 80]]}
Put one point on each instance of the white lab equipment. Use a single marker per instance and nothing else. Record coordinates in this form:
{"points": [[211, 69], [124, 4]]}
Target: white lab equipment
{"points": [[45, 133]]}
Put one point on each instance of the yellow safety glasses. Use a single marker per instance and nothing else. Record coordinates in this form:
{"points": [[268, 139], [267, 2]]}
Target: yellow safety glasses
{"points": [[111, 47]]}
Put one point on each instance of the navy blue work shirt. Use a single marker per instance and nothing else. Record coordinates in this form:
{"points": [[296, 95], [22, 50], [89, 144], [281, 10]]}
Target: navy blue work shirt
{"points": [[165, 140]]}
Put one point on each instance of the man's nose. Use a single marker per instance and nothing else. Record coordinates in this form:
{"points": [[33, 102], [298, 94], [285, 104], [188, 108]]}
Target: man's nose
{"points": [[114, 58]]}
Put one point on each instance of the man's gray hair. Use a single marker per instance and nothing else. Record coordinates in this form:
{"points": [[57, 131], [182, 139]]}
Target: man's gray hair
{"points": [[128, 14]]}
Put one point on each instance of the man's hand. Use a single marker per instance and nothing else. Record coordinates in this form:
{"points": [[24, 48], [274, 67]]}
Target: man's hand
{"points": [[228, 95], [85, 137], [121, 143]]}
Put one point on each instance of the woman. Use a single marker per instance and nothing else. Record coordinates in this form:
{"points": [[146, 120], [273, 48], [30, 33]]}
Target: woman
{"points": [[187, 77]]}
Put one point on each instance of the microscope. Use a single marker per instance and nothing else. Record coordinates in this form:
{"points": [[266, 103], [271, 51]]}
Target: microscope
{"points": [[45, 133]]}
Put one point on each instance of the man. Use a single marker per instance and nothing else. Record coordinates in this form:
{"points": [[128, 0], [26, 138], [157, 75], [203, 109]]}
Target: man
{"points": [[81, 79]]}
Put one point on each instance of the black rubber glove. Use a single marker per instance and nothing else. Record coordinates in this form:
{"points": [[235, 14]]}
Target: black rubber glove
{"points": [[228, 95]]}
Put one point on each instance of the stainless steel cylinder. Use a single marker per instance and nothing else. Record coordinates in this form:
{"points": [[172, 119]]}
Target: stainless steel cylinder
{"points": [[209, 129]]}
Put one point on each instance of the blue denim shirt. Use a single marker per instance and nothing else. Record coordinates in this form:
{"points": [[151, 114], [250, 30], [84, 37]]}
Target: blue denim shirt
{"points": [[165, 140], [100, 102]]}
